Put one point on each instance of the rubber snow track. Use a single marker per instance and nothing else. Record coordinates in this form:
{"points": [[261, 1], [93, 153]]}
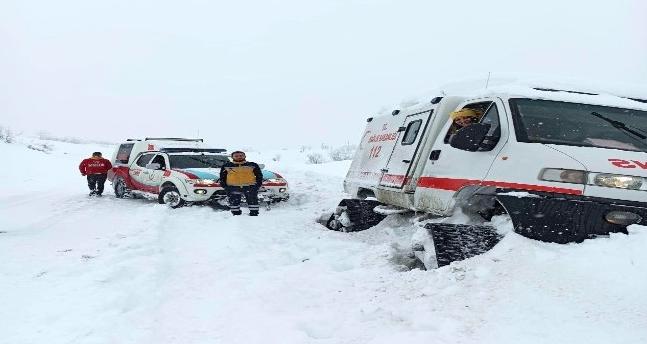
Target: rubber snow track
{"points": [[75, 269]]}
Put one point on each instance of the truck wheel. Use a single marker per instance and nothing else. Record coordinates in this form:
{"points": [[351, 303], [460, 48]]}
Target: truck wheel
{"points": [[171, 197], [354, 215], [454, 242], [120, 187]]}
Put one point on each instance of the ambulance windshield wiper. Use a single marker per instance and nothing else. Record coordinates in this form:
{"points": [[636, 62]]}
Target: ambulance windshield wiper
{"points": [[618, 125]]}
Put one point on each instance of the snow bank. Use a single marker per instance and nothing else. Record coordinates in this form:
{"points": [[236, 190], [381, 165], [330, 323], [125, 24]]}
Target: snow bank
{"points": [[80, 270]]}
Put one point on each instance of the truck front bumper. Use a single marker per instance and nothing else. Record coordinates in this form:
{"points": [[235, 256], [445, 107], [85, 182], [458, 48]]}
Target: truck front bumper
{"points": [[566, 218], [274, 193]]}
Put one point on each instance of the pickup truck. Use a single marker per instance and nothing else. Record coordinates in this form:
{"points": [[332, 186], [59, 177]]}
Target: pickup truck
{"points": [[178, 171]]}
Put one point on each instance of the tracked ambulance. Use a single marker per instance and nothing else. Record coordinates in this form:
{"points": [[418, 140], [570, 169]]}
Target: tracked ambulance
{"points": [[564, 165]]}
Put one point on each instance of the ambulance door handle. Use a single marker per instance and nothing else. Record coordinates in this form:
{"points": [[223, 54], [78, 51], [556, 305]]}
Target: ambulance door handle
{"points": [[435, 154], [406, 161]]}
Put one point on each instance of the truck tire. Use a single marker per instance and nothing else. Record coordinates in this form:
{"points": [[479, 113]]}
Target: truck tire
{"points": [[120, 188], [171, 197], [453, 242], [354, 215]]}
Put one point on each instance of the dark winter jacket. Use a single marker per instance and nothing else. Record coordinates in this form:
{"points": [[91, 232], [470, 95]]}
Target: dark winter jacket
{"points": [[233, 174], [94, 166]]}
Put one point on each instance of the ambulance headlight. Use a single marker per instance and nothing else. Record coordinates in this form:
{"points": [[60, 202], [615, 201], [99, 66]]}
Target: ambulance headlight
{"points": [[563, 176], [618, 181]]}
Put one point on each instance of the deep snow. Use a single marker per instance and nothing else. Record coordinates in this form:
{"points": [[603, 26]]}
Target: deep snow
{"points": [[81, 270]]}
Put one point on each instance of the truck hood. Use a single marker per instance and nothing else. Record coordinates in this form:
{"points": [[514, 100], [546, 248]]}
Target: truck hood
{"points": [[606, 160], [204, 173], [214, 173]]}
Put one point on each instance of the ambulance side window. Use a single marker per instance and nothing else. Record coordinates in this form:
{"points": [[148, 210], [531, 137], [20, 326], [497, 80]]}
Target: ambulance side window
{"points": [[411, 133], [491, 118], [144, 159], [480, 108]]}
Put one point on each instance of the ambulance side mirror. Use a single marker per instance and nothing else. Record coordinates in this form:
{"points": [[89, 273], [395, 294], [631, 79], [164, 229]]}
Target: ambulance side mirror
{"points": [[153, 166], [470, 138]]}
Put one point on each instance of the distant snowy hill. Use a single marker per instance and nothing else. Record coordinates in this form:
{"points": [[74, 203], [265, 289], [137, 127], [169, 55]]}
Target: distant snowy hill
{"points": [[81, 270]]}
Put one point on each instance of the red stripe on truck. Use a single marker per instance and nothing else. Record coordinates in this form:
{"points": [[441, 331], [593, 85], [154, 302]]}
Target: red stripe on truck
{"points": [[454, 184], [451, 184], [531, 187]]}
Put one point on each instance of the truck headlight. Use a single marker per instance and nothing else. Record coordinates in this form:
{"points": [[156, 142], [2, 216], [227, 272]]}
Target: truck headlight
{"points": [[563, 176], [618, 181]]}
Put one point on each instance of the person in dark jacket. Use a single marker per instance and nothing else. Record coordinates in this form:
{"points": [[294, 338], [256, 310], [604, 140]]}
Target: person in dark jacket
{"points": [[241, 177], [96, 169]]}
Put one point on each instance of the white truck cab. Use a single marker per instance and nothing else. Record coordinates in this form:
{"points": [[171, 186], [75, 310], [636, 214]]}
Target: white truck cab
{"points": [[177, 171], [564, 165]]}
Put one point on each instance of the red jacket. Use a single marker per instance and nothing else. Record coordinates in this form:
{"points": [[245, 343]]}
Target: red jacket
{"points": [[94, 166]]}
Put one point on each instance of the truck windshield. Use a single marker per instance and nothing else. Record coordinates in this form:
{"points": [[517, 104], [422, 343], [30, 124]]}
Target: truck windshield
{"points": [[573, 124], [197, 161]]}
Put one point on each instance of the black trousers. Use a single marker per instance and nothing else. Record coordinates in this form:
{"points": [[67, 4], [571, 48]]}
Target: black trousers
{"points": [[234, 195], [96, 181]]}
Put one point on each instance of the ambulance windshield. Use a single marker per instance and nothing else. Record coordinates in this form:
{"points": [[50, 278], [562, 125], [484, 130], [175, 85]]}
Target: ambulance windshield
{"points": [[574, 124]]}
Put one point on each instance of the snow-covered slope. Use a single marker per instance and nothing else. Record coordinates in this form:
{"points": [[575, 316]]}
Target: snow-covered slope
{"points": [[80, 270]]}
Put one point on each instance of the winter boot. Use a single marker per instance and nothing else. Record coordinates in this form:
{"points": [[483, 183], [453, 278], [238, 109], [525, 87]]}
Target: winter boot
{"points": [[236, 212], [253, 213], [92, 193]]}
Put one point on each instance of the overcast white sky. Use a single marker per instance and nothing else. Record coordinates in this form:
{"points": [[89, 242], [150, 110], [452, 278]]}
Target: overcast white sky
{"points": [[280, 73]]}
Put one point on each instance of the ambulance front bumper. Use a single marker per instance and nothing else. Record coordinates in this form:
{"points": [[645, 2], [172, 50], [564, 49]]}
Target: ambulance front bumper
{"points": [[570, 218]]}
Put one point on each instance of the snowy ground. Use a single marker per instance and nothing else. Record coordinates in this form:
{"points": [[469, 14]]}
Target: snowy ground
{"points": [[80, 270]]}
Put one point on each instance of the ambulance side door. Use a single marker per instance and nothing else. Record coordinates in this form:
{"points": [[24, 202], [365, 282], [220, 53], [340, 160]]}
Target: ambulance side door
{"points": [[398, 167], [450, 169]]}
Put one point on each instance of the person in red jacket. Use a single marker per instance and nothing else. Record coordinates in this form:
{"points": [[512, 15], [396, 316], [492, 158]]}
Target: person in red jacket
{"points": [[96, 169]]}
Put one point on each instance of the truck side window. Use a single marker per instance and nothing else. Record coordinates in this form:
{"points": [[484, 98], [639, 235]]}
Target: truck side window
{"points": [[144, 159], [411, 133], [478, 108], [491, 118], [123, 154], [159, 159]]}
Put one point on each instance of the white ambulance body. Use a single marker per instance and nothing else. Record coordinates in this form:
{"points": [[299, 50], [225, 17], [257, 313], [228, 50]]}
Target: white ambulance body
{"points": [[565, 165]]}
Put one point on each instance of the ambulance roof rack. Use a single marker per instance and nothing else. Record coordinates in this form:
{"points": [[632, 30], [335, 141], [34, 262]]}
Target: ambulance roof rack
{"points": [[586, 93], [567, 91], [192, 150], [638, 100], [172, 139]]}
